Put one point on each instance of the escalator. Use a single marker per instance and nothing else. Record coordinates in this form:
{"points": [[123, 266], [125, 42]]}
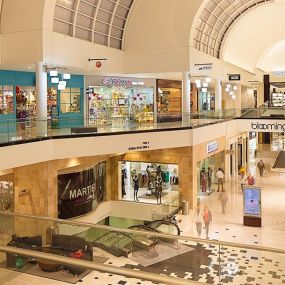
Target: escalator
{"points": [[118, 244]]}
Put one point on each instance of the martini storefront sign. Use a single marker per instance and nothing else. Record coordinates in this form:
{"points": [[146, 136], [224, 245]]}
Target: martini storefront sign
{"points": [[80, 192]]}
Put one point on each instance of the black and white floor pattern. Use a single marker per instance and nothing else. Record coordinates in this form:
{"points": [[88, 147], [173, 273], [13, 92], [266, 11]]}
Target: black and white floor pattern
{"points": [[204, 264]]}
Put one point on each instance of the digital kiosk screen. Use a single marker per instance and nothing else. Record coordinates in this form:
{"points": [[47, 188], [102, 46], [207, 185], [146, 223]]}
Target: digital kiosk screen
{"points": [[252, 201]]}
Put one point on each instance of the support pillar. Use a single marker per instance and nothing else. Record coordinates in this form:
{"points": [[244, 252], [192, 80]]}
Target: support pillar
{"points": [[186, 102], [41, 99], [218, 95]]}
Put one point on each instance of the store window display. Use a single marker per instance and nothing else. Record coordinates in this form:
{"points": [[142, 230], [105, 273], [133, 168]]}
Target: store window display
{"points": [[207, 169], [70, 100], [6, 196], [6, 99], [169, 99], [107, 104], [26, 102], [148, 182]]}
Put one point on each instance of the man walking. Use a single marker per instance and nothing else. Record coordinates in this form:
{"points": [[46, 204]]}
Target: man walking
{"points": [[221, 176]]}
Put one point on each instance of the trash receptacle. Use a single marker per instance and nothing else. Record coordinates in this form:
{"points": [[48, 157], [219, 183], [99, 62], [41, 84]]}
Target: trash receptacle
{"points": [[185, 208]]}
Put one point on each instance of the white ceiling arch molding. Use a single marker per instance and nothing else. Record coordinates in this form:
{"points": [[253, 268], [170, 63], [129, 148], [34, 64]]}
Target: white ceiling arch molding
{"points": [[214, 20], [255, 36]]}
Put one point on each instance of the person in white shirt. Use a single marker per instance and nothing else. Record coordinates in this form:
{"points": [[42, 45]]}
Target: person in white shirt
{"points": [[220, 175]]}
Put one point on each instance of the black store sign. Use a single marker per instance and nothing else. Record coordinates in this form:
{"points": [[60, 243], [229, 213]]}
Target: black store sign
{"points": [[80, 192], [234, 77]]}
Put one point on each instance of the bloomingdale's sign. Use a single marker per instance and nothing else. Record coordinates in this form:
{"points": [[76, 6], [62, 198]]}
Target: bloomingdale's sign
{"points": [[270, 127]]}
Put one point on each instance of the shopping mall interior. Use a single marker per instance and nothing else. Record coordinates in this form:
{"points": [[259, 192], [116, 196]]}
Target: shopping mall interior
{"points": [[142, 142]]}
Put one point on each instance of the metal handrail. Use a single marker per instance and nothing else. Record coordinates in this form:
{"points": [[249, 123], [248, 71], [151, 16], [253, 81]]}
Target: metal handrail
{"points": [[142, 275], [156, 235]]}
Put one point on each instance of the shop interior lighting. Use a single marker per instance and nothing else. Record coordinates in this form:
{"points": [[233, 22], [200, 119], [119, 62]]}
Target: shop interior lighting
{"points": [[55, 80], [235, 88], [198, 85], [53, 73], [229, 86], [60, 87], [205, 84], [234, 97], [204, 90], [66, 76], [208, 79], [231, 93], [227, 89], [62, 82]]}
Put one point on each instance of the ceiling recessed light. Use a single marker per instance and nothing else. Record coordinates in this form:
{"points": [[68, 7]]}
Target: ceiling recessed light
{"points": [[29, 67]]}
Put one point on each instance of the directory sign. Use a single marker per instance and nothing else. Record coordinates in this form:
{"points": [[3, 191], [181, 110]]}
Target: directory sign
{"points": [[252, 201]]}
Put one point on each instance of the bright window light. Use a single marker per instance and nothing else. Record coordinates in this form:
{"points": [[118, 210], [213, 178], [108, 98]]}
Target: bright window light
{"points": [[66, 76], [53, 73], [55, 80]]}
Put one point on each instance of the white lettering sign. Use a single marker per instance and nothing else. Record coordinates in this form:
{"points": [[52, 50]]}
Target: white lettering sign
{"points": [[213, 146]]}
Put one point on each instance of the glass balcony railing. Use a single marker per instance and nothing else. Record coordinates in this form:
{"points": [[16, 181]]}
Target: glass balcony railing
{"points": [[12, 131], [42, 246]]}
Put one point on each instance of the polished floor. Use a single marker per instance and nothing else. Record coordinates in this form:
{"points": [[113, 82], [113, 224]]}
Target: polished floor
{"points": [[208, 263]]}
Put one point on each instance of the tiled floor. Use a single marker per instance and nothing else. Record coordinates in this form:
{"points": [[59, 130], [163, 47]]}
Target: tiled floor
{"points": [[209, 263]]}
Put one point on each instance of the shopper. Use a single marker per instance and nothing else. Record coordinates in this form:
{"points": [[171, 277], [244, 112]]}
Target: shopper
{"points": [[261, 167], [242, 172], [250, 180], [209, 174], [198, 218], [148, 173], [203, 179], [220, 176], [136, 187], [207, 217], [158, 190], [223, 198]]}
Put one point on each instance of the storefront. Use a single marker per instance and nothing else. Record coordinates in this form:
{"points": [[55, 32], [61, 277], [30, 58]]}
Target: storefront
{"points": [[18, 99], [239, 148], [169, 100], [148, 175], [114, 100], [202, 93], [6, 196], [208, 167], [277, 94]]}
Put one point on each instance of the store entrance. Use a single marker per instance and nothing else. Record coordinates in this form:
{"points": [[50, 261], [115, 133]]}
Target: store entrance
{"points": [[148, 182], [207, 169]]}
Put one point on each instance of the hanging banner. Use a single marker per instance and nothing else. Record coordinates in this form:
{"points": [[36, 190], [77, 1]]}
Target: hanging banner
{"points": [[80, 192]]}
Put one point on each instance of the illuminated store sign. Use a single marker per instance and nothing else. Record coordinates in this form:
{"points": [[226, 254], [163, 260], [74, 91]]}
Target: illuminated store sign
{"points": [[268, 127], [113, 81], [211, 147], [279, 73], [234, 77]]}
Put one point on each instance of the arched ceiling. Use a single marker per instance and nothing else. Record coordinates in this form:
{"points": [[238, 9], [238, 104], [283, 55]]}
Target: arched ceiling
{"points": [[215, 20], [98, 21], [257, 39]]}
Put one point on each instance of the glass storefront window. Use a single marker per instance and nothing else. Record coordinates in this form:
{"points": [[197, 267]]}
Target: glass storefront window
{"points": [[26, 101], [6, 196], [145, 176], [6, 99], [108, 103], [70, 100]]}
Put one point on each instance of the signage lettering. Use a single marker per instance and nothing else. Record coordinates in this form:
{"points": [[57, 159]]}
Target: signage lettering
{"points": [[279, 73], [234, 77], [145, 145], [120, 82], [268, 127], [211, 147]]}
